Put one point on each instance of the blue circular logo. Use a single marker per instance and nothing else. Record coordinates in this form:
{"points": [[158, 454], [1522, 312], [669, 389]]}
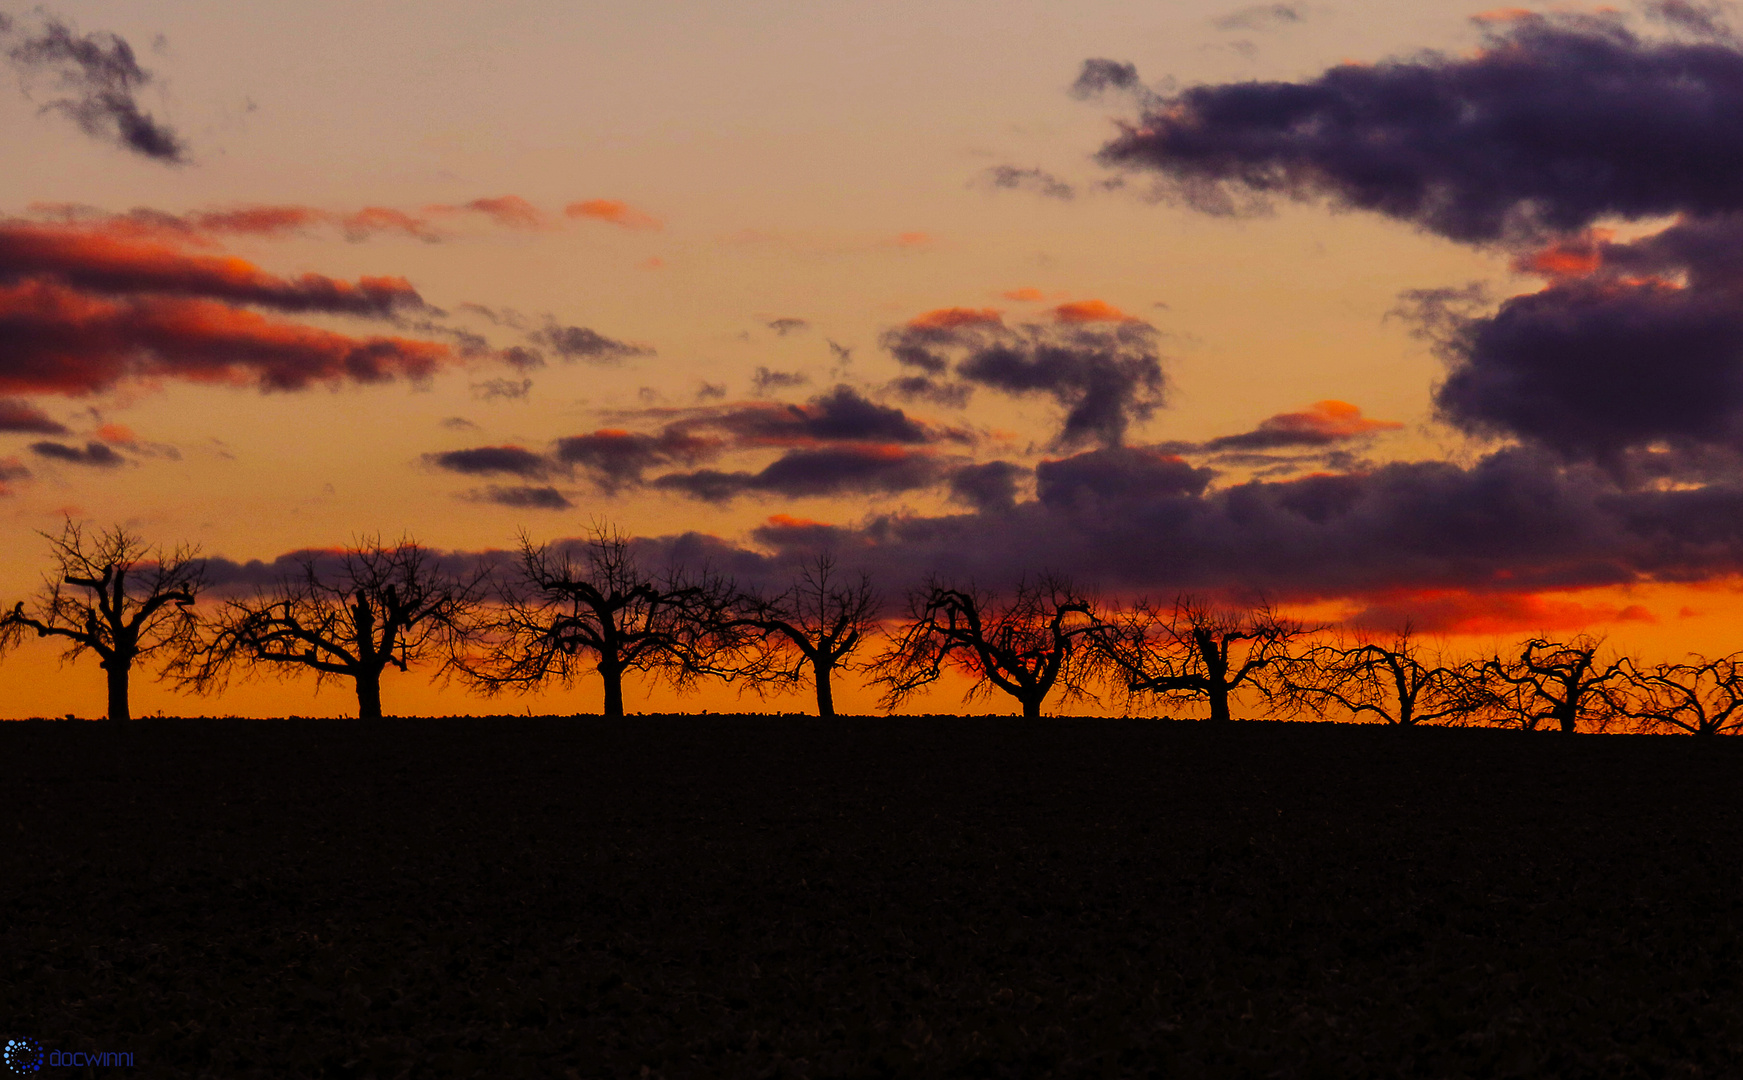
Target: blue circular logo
{"points": [[22, 1055]]}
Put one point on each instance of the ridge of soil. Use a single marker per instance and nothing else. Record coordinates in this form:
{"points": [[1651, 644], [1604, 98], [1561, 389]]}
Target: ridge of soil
{"points": [[689, 896]]}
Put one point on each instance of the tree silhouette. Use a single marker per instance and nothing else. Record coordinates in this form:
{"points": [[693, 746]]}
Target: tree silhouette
{"points": [[561, 610], [1700, 696], [1558, 682], [352, 617], [115, 595], [815, 625], [1396, 683], [1024, 646], [1193, 650]]}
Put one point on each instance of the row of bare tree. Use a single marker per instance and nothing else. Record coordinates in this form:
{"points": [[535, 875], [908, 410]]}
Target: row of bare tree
{"points": [[1047, 636], [554, 613]]}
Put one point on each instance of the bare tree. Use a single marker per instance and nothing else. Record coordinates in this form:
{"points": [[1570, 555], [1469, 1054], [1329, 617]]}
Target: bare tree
{"points": [[113, 594], [1193, 650], [1024, 646], [1555, 682], [1396, 683], [562, 611], [815, 625], [1700, 696], [351, 618]]}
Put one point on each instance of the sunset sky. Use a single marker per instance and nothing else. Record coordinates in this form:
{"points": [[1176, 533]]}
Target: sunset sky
{"points": [[1389, 310]]}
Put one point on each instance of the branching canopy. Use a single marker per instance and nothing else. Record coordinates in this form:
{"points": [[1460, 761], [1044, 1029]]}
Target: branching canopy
{"points": [[1564, 683], [1193, 650], [809, 630], [1699, 696], [568, 613], [112, 594], [348, 616], [1024, 646], [1395, 682]]}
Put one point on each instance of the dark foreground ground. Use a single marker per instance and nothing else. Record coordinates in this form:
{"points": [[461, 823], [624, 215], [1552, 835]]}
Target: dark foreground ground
{"points": [[725, 896]]}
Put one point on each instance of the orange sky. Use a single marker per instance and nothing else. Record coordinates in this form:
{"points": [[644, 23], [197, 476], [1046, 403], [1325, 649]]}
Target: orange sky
{"points": [[386, 210]]}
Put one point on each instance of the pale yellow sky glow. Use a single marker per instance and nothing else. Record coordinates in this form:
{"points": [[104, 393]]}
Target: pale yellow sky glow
{"points": [[722, 189]]}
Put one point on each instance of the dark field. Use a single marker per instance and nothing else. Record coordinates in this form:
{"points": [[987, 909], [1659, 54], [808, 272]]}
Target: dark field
{"points": [[729, 896]]}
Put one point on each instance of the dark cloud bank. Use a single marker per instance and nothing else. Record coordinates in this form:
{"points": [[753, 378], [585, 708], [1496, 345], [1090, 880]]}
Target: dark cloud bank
{"points": [[94, 80], [92, 453], [1133, 520], [1623, 371], [1630, 346], [89, 300], [1556, 123], [1105, 375], [837, 442]]}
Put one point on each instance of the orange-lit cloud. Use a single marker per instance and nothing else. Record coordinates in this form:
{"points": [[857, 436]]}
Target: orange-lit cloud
{"points": [[913, 240], [614, 212], [1569, 257], [1024, 295], [96, 261], [1451, 611], [1089, 311], [954, 317], [1321, 424], [788, 521], [376, 219], [1338, 419], [203, 228], [68, 342], [1501, 15], [508, 211], [84, 306], [254, 220]]}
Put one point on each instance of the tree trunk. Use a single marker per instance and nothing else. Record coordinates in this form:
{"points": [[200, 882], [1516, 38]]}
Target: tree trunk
{"points": [[1031, 707], [1569, 720], [1216, 671], [825, 693], [369, 695], [613, 678], [117, 672], [1219, 701]]}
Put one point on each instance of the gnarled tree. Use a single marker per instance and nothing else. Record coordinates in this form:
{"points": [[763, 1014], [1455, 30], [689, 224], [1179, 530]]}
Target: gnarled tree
{"points": [[1562, 683], [1193, 650], [116, 596], [812, 627], [348, 616], [563, 615], [1395, 682], [1700, 696], [1024, 646]]}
